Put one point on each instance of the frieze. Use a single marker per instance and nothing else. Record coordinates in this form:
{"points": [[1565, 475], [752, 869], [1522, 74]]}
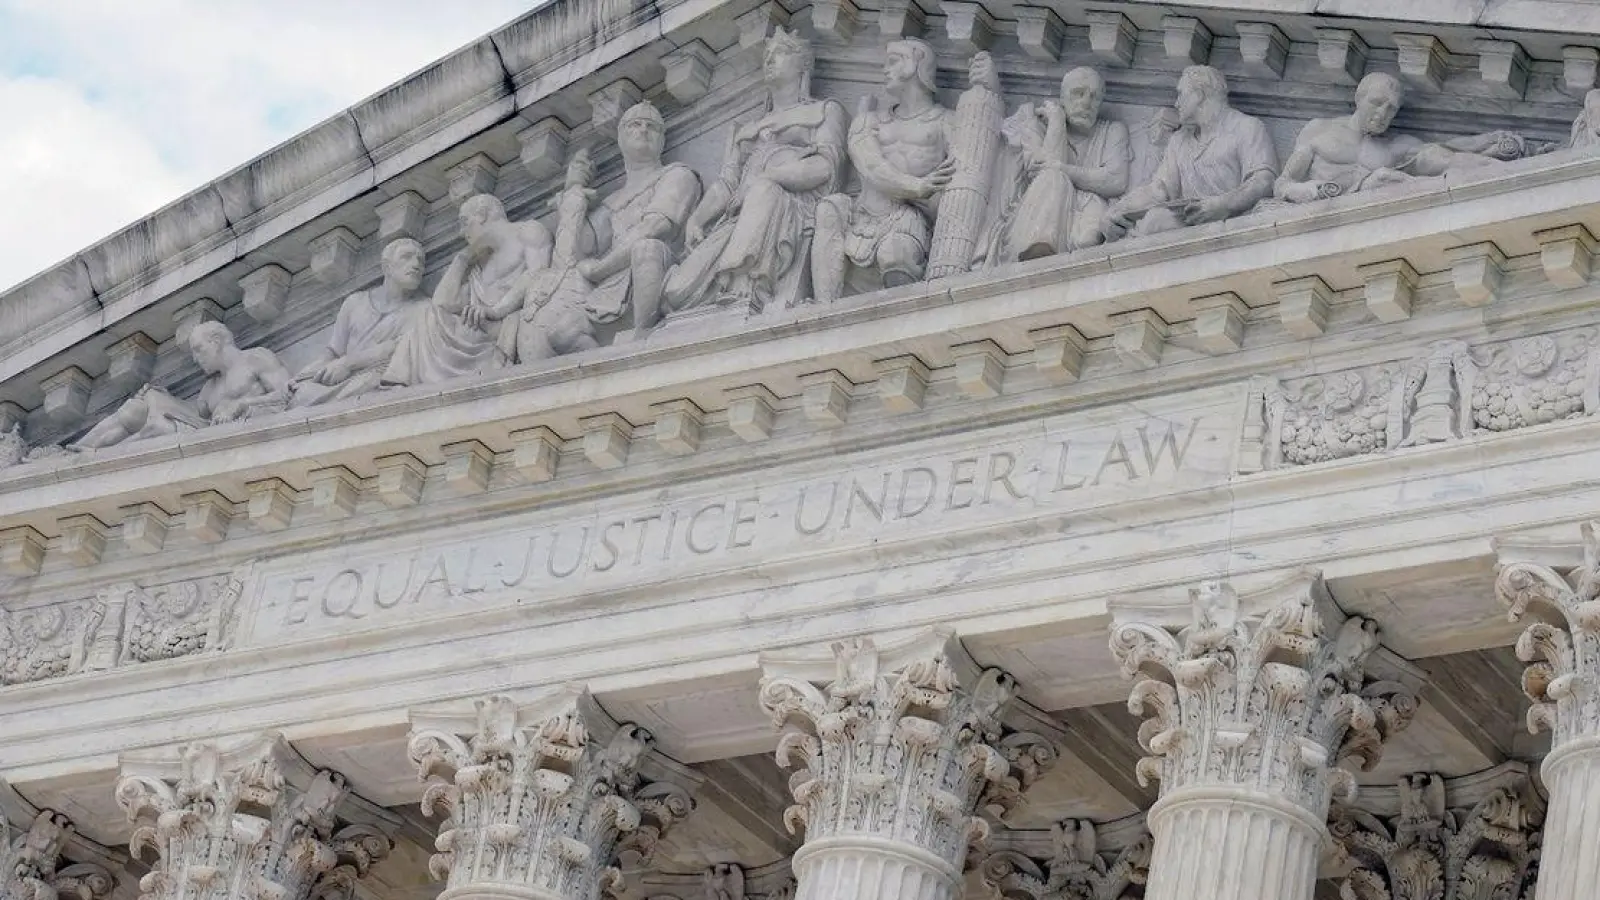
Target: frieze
{"points": [[1450, 390], [907, 495], [121, 625]]}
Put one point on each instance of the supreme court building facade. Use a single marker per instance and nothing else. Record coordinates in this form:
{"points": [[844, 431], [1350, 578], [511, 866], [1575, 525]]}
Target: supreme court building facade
{"points": [[842, 449]]}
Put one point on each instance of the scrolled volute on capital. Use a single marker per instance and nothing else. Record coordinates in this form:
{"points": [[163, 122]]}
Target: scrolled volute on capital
{"points": [[1272, 701]]}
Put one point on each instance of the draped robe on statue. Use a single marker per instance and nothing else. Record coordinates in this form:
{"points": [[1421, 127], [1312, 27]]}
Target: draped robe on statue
{"points": [[361, 323], [766, 231], [1051, 214]]}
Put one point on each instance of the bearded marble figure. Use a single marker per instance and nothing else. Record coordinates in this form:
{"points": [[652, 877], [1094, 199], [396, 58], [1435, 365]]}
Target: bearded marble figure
{"points": [[1358, 152], [612, 255], [902, 153], [1586, 128], [365, 332], [468, 326], [750, 237], [1072, 163], [1218, 165], [239, 384]]}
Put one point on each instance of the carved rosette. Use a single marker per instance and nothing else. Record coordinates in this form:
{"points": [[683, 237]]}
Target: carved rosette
{"points": [[542, 801], [1430, 851], [1271, 703], [31, 864], [1562, 648], [232, 825], [897, 749], [1077, 869]]}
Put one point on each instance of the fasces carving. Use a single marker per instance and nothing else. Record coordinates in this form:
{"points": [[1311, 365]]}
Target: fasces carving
{"points": [[1432, 851], [1219, 164], [251, 821], [32, 866], [1250, 723], [121, 625], [1077, 870], [974, 147], [1343, 155], [1069, 163], [1446, 392], [614, 254], [366, 332], [472, 324], [750, 236], [902, 154], [897, 750], [239, 384], [542, 800]]}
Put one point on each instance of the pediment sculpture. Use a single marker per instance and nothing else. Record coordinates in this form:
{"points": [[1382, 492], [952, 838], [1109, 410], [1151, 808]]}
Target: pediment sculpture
{"points": [[941, 190]]}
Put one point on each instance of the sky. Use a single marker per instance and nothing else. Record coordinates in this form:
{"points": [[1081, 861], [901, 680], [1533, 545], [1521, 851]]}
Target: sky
{"points": [[109, 109]]}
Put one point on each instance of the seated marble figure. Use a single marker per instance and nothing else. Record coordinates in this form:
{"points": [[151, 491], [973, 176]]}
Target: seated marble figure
{"points": [[1586, 128], [1069, 164], [365, 332], [610, 256], [1218, 165], [239, 384], [468, 326], [902, 153], [1358, 152], [749, 239]]}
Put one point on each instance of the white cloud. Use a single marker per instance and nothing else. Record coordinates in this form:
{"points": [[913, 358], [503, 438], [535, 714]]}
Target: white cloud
{"points": [[113, 108]]}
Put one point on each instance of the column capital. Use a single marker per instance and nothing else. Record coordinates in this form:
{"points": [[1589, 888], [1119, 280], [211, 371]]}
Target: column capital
{"points": [[1473, 836], [1077, 867], [251, 816], [1274, 702], [42, 857], [1562, 645], [544, 798], [897, 741]]}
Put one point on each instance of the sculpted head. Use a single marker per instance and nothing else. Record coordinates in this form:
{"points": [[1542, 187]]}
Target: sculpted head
{"points": [[479, 214], [1202, 95], [402, 264], [909, 62], [1378, 98], [641, 133], [788, 58], [209, 344], [1082, 89]]}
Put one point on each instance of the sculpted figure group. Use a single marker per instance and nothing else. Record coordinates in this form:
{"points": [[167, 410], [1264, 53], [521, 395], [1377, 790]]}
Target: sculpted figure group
{"points": [[811, 204]]}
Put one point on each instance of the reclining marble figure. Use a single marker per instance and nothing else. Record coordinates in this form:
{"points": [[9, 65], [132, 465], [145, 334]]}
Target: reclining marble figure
{"points": [[365, 332], [239, 384], [1358, 152], [612, 255], [1070, 164], [749, 239], [468, 326], [1218, 165], [902, 153]]}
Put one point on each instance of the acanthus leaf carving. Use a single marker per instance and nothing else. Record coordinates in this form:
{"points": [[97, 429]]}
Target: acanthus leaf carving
{"points": [[1077, 869], [1562, 647], [546, 798], [893, 746], [1271, 702]]}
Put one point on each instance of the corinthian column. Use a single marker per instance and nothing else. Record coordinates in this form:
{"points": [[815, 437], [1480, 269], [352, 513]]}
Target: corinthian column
{"points": [[1250, 719], [248, 820], [896, 752], [544, 799], [42, 859], [1562, 649]]}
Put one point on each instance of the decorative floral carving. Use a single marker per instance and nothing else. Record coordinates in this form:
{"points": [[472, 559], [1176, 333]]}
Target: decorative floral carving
{"points": [[180, 619], [541, 799], [1076, 871], [31, 864], [1429, 852], [1329, 417], [47, 641], [905, 754], [1272, 703], [233, 826], [1537, 380], [1562, 661]]}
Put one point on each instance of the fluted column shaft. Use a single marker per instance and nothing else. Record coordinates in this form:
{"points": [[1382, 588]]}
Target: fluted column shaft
{"points": [[1569, 866], [860, 867], [1232, 844]]}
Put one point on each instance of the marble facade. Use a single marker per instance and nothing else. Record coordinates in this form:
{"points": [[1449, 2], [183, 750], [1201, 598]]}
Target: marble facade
{"points": [[755, 451]]}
